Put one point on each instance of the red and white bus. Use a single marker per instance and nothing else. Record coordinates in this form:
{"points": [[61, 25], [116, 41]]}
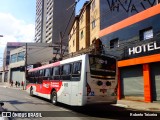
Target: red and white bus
{"points": [[77, 81]]}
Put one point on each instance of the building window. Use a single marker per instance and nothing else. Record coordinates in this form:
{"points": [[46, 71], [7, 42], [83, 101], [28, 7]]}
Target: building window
{"points": [[146, 34], [93, 24], [93, 5], [13, 58], [114, 43], [81, 34], [20, 56], [81, 18]]}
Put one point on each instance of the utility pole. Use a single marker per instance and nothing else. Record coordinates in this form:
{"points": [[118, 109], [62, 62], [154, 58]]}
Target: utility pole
{"points": [[25, 78], [61, 54]]}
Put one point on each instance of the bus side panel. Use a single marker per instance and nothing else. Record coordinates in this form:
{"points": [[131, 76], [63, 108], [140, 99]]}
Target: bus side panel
{"points": [[77, 87], [58, 86], [84, 80]]}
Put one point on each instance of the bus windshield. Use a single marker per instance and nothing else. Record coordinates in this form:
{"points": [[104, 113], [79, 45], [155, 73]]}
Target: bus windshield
{"points": [[102, 65]]}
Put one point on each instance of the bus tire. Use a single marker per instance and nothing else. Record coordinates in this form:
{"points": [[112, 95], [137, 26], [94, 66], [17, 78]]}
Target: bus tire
{"points": [[31, 91], [54, 97]]}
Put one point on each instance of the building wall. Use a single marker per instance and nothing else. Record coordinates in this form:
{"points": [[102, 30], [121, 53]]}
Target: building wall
{"points": [[36, 52], [44, 23], [128, 33], [113, 11], [135, 53], [84, 21], [52, 18], [6, 56], [49, 21], [39, 20], [74, 37], [94, 16], [61, 16]]}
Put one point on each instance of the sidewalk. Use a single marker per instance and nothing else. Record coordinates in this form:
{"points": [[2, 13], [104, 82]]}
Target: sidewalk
{"points": [[139, 105], [7, 85]]}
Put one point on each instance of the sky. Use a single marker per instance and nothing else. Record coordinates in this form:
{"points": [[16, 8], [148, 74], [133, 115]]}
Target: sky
{"points": [[17, 21]]}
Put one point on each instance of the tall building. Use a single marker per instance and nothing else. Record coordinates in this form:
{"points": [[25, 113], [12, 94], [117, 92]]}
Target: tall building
{"points": [[52, 17]]}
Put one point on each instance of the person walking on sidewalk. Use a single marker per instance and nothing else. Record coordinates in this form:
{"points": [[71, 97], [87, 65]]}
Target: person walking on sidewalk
{"points": [[16, 83], [11, 83], [22, 84]]}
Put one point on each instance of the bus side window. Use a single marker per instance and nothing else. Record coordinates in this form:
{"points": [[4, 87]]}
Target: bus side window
{"points": [[29, 77], [47, 74], [56, 73], [41, 75], [35, 76], [76, 71], [66, 72]]}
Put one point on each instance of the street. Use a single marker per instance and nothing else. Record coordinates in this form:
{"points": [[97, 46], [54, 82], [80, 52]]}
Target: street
{"points": [[19, 101]]}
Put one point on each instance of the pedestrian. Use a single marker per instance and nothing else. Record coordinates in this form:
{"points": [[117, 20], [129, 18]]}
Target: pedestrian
{"points": [[22, 84], [11, 83], [16, 83]]}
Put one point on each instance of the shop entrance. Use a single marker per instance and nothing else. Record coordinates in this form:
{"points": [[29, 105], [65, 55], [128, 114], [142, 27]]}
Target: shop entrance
{"points": [[155, 81], [132, 83]]}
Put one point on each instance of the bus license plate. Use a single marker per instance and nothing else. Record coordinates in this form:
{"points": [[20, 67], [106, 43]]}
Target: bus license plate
{"points": [[103, 90]]}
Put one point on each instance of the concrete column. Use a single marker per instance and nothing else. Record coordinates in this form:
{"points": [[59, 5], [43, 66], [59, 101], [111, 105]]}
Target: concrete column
{"points": [[147, 83], [119, 85]]}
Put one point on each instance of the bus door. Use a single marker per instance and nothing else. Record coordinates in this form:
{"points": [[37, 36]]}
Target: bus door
{"points": [[76, 93], [47, 81], [40, 81], [66, 83]]}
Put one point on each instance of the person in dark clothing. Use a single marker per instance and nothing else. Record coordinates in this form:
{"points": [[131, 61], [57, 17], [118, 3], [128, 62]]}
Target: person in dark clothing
{"points": [[16, 83], [11, 83], [22, 84]]}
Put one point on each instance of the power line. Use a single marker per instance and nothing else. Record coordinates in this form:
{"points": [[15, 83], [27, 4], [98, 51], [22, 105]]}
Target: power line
{"points": [[62, 36]]}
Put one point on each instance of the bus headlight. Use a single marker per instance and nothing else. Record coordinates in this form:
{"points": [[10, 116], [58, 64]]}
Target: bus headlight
{"points": [[108, 83], [99, 83]]}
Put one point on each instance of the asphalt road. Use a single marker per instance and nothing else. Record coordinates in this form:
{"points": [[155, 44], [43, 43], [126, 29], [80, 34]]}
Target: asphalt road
{"points": [[19, 101]]}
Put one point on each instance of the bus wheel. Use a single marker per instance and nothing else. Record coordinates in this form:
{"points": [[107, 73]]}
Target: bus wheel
{"points": [[31, 91], [54, 98]]}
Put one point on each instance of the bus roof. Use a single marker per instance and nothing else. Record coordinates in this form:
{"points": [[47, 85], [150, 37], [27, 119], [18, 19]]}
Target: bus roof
{"points": [[58, 63], [45, 66]]}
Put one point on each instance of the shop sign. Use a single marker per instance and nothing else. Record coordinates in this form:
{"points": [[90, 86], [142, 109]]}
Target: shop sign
{"points": [[152, 46]]}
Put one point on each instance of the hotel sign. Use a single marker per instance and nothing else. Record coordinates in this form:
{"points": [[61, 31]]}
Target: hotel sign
{"points": [[148, 47]]}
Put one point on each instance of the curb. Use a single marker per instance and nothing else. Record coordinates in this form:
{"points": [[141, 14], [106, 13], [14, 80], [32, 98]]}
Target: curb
{"points": [[18, 88], [122, 105]]}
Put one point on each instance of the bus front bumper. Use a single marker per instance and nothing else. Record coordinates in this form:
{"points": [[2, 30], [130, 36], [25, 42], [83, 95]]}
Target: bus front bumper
{"points": [[101, 99]]}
